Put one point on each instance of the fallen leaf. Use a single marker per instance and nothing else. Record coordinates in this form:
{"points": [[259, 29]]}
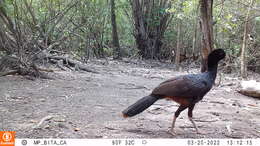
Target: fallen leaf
{"points": [[76, 129], [252, 105]]}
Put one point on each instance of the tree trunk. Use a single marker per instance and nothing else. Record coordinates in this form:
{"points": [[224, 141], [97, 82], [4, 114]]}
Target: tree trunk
{"points": [[178, 51], [206, 25], [150, 24], [116, 45], [194, 38], [243, 59]]}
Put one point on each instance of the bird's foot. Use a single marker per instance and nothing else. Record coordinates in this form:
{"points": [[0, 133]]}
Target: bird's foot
{"points": [[172, 132]]}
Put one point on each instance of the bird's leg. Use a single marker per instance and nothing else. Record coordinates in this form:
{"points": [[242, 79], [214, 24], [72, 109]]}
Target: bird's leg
{"points": [[190, 109], [173, 125], [177, 113], [193, 123]]}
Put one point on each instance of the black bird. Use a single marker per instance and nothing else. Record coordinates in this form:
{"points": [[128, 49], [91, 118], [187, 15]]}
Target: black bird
{"points": [[186, 90]]}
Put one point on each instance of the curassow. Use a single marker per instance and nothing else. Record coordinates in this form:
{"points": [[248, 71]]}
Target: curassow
{"points": [[186, 90]]}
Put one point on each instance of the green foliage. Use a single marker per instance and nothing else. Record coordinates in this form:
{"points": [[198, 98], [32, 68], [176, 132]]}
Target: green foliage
{"points": [[87, 28]]}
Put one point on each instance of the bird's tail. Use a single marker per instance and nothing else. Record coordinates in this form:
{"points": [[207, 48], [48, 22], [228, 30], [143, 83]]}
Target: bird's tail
{"points": [[139, 106]]}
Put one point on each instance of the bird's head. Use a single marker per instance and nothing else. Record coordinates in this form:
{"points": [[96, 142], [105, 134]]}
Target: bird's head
{"points": [[215, 56]]}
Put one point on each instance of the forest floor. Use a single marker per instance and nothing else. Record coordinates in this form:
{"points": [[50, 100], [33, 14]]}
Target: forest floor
{"points": [[88, 105]]}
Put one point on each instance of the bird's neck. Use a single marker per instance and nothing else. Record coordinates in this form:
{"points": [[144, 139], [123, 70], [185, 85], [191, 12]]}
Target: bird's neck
{"points": [[212, 71]]}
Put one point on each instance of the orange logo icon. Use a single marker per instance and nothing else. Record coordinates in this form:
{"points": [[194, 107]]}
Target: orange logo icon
{"points": [[7, 138]]}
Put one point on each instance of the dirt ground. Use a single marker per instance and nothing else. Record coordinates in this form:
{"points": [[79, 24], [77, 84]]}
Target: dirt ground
{"points": [[87, 105]]}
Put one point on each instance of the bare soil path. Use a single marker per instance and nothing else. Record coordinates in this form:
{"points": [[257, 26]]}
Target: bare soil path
{"points": [[87, 105]]}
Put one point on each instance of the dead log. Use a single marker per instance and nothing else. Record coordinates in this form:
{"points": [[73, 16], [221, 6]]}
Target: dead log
{"points": [[10, 65], [73, 63], [250, 88]]}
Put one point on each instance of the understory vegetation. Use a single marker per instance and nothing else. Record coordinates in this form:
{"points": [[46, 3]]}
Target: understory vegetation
{"points": [[68, 33]]}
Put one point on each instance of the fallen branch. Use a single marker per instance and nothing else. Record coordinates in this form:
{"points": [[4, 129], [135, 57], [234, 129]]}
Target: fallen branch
{"points": [[249, 93], [137, 87], [228, 84], [45, 69], [199, 126], [198, 120], [233, 136], [11, 65], [217, 102], [72, 63], [250, 88], [110, 128], [47, 118], [11, 72]]}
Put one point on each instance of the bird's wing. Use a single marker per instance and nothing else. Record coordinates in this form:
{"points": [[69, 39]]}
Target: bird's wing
{"points": [[183, 86]]}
